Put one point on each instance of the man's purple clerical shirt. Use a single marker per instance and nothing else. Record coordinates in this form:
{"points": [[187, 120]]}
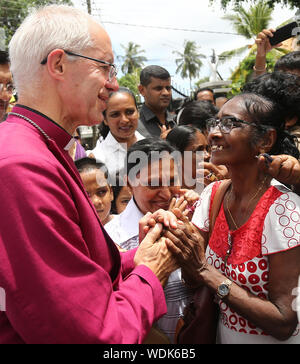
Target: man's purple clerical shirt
{"points": [[64, 279]]}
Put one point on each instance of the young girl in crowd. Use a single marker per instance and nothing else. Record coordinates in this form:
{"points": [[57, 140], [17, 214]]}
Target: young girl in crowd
{"points": [[95, 179], [122, 195]]}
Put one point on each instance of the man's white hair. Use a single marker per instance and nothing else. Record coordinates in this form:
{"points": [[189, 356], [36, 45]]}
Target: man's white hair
{"points": [[46, 29]]}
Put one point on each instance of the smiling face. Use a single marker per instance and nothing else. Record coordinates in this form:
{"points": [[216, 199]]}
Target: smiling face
{"points": [[99, 192], [234, 147], [86, 84], [122, 116], [157, 184]]}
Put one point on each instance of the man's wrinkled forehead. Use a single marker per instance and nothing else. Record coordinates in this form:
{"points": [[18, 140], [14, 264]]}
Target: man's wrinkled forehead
{"points": [[101, 41]]}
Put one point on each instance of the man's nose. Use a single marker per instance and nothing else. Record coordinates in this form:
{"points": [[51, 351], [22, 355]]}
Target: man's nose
{"points": [[166, 91], [112, 84]]}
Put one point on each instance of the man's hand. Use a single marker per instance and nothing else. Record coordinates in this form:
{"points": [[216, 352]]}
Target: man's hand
{"points": [[153, 253]]}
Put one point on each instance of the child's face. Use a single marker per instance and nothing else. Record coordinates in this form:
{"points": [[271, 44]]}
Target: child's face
{"points": [[99, 192], [123, 198]]}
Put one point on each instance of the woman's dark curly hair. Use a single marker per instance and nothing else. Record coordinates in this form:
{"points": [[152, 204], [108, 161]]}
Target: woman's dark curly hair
{"points": [[267, 114], [281, 87]]}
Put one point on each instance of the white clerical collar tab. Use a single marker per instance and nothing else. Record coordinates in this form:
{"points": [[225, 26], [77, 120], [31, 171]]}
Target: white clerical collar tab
{"points": [[70, 144]]}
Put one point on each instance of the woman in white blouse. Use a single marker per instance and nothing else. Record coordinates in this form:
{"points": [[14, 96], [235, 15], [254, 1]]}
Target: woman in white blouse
{"points": [[121, 118]]}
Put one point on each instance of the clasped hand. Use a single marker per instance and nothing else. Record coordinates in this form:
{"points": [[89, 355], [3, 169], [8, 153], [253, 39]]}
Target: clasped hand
{"points": [[179, 241]]}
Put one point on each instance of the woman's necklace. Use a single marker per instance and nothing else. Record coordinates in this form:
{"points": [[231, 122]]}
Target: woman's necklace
{"points": [[229, 238]]}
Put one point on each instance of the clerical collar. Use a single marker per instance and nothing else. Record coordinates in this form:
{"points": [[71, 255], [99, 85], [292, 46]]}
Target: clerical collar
{"points": [[54, 130]]}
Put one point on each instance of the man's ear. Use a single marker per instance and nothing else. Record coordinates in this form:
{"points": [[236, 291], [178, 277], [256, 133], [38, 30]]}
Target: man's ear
{"points": [[56, 63], [141, 89], [267, 142]]}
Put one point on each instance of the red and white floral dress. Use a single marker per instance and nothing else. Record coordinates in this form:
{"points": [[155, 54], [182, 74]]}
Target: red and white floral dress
{"points": [[273, 227]]}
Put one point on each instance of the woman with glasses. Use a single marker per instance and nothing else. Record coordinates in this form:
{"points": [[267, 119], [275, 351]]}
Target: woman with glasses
{"points": [[252, 256]]}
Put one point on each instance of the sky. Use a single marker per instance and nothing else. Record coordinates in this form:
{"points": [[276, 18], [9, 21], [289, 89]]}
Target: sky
{"points": [[193, 20]]}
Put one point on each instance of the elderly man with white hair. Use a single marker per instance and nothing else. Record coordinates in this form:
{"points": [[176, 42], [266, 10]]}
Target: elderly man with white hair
{"points": [[64, 279]]}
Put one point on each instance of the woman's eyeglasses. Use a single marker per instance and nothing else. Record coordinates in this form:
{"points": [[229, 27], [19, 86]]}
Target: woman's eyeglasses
{"points": [[227, 123]]}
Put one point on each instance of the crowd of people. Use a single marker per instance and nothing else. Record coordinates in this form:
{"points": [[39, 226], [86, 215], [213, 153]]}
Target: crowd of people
{"points": [[110, 245]]}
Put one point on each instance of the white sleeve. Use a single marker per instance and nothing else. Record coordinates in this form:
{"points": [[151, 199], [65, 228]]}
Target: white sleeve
{"points": [[282, 224], [201, 214]]}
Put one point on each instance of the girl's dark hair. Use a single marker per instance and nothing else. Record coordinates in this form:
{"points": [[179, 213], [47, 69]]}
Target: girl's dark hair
{"points": [[103, 128], [86, 163], [196, 113], [117, 188], [181, 136], [267, 114]]}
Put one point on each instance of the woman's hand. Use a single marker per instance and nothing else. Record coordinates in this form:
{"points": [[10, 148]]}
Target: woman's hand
{"points": [[166, 218], [188, 246], [185, 203], [285, 168], [263, 42], [210, 172]]}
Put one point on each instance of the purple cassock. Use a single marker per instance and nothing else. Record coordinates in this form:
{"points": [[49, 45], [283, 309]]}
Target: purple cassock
{"points": [[63, 277]]}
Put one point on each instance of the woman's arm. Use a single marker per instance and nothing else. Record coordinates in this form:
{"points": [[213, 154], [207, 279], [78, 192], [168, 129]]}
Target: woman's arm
{"points": [[274, 316]]}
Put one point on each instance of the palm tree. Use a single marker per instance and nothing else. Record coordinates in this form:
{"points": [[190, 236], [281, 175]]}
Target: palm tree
{"points": [[248, 23], [132, 58], [189, 63]]}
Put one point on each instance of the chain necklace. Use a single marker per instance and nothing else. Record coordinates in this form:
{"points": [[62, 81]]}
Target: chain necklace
{"points": [[229, 238], [30, 122]]}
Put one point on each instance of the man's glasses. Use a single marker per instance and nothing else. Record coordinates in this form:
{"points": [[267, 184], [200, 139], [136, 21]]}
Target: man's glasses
{"points": [[112, 67], [227, 123], [9, 87]]}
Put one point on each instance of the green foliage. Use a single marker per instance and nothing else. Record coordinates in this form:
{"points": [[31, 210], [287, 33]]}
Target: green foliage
{"points": [[13, 12], [225, 3], [250, 22], [133, 58], [244, 71], [189, 63], [131, 81]]}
